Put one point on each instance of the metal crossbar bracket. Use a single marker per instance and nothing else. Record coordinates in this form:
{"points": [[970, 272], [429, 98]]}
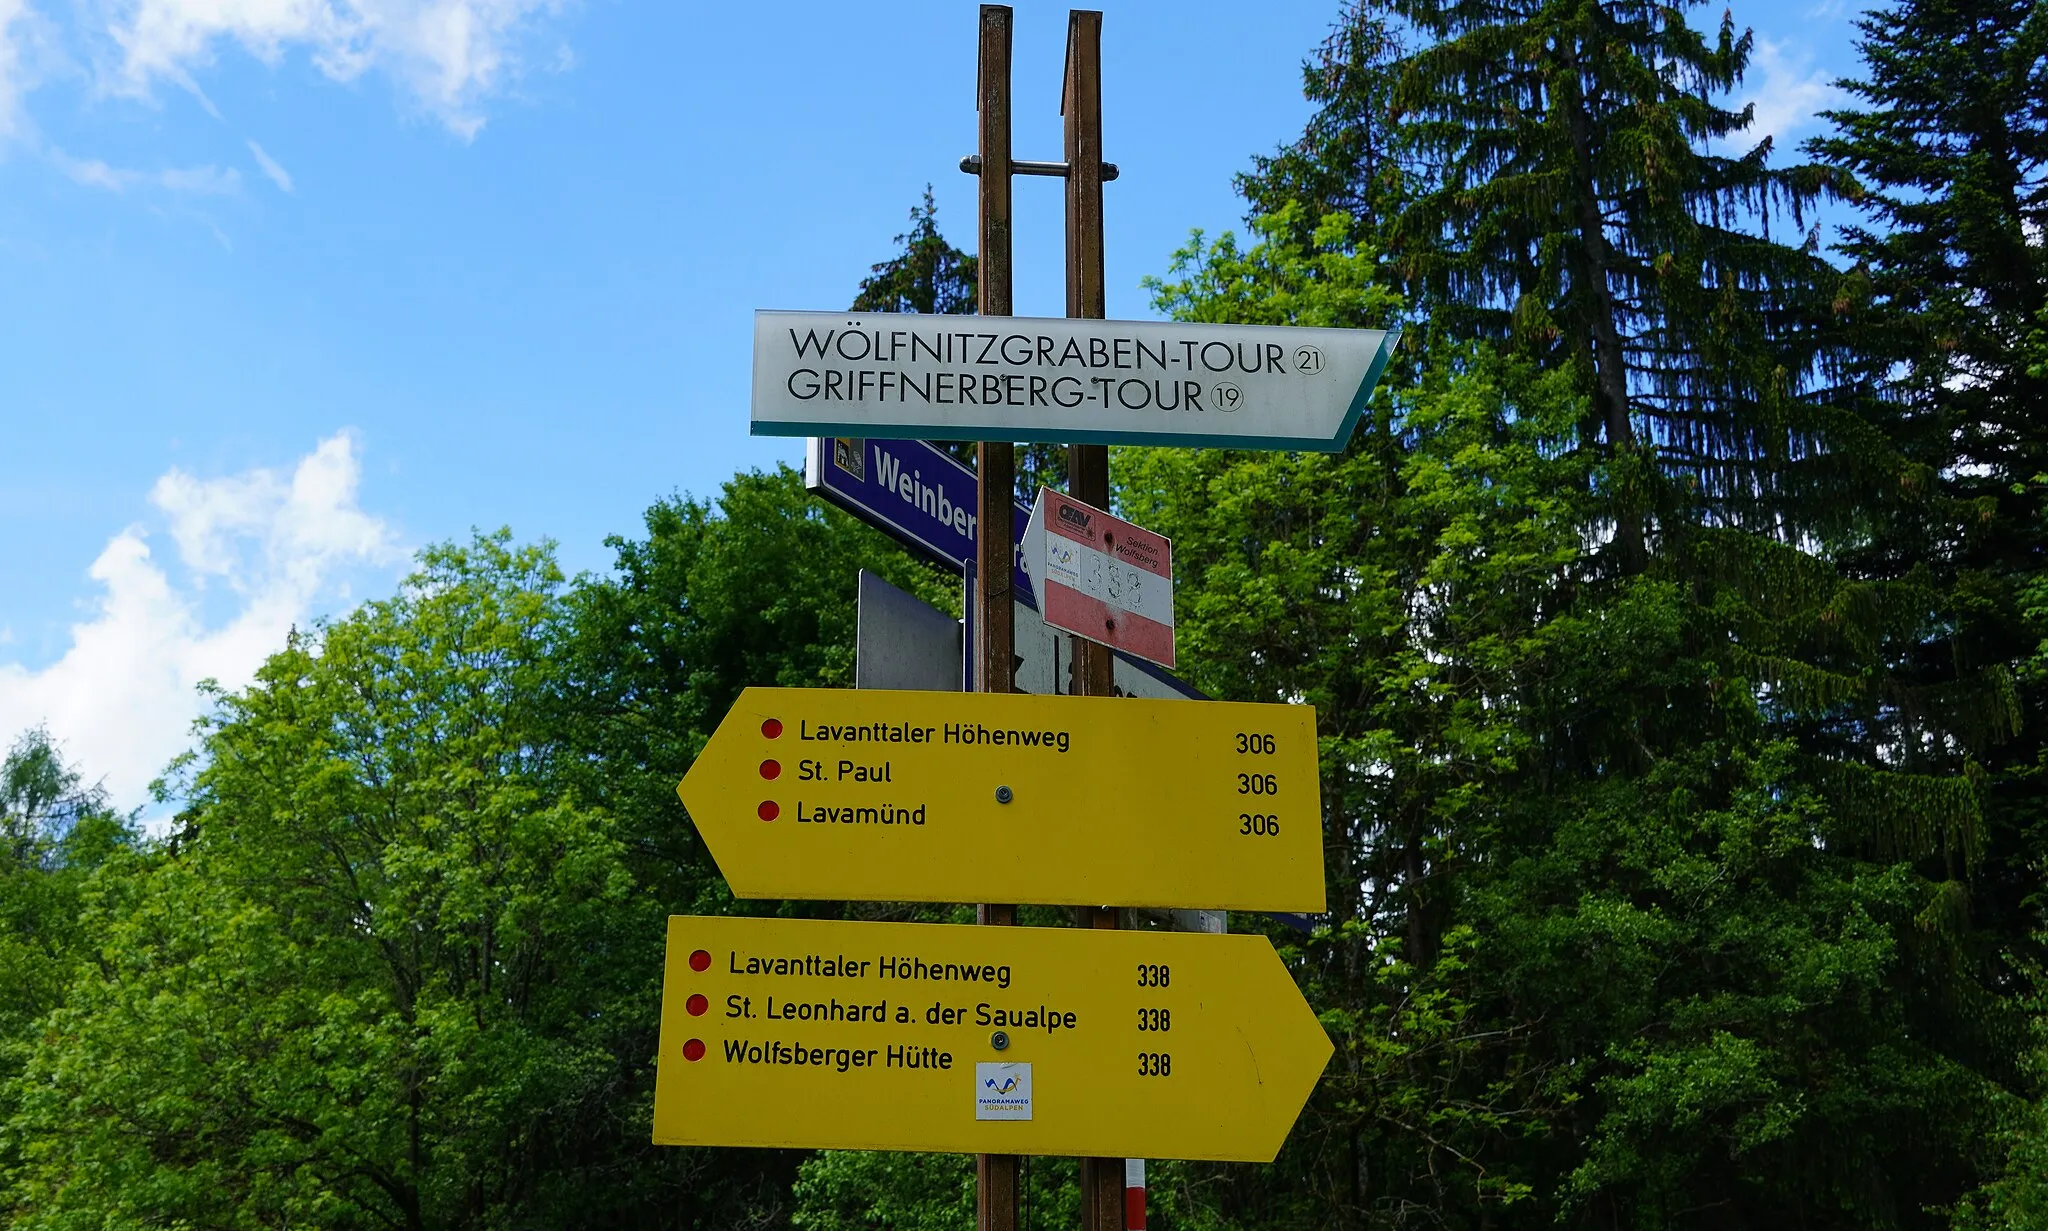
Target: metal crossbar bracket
{"points": [[1018, 166]]}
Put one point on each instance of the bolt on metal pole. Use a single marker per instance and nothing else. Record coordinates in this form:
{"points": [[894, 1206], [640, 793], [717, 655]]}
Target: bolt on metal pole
{"points": [[1102, 1179], [995, 1175]]}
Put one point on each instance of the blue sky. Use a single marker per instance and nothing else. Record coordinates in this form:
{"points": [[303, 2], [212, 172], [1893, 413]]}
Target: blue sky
{"points": [[291, 287]]}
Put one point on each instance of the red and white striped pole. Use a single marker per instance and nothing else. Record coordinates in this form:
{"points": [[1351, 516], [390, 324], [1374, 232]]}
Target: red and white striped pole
{"points": [[1134, 1194]]}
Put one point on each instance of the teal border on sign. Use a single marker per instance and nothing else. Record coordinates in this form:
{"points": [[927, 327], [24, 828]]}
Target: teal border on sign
{"points": [[1183, 440]]}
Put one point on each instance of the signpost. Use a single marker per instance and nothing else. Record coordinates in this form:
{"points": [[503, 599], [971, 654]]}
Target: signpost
{"points": [[1109, 1045], [1006, 378], [995, 463], [889, 1036], [1101, 577], [948, 797]]}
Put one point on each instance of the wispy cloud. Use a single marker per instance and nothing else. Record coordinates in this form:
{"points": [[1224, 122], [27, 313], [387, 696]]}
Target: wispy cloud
{"points": [[16, 23], [122, 696], [93, 173], [201, 181], [207, 181], [278, 175], [448, 59], [449, 56], [1787, 91]]}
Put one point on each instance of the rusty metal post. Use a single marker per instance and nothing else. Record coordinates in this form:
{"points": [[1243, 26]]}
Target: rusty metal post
{"points": [[1102, 1179], [995, 1175], [1081, 106]]}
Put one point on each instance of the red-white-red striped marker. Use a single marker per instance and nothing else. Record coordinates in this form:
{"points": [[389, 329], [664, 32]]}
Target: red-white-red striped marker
{"points": [[1134, 1194], [1100, 577]]}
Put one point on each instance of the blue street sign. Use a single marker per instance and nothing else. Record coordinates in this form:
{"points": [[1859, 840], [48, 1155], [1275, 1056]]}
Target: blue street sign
{"points": [[915, 492]]}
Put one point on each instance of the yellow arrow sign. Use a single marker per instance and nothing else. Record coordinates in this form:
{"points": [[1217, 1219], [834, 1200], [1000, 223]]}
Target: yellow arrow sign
{"points": [[977, 797], [883, 1036]]}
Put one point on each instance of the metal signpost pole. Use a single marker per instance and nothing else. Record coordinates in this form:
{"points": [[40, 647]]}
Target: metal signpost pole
{"points": [[995, 1175], [1102, 1179], [1081, 106]]}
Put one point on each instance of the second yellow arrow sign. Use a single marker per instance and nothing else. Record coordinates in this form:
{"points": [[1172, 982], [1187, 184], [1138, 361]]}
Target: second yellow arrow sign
{"points": [[906, 1036], [965, 797]]}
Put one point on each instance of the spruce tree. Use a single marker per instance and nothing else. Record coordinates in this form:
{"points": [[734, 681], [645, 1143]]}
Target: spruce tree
{"points": [[1946, 301], [1565, 178], [1704, 800], [1950, 146], [929, 275]]}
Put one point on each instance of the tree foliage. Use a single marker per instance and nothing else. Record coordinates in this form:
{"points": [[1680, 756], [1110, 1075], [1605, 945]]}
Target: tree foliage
{"points": [[1637, 918], [926, 275], [370, 990]]}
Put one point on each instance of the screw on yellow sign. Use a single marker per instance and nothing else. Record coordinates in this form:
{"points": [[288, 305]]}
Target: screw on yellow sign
{"points": [[979, 797], [902, 1036]]}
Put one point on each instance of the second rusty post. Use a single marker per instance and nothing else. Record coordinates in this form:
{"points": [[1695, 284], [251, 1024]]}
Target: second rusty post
{"points": [[995, 1175], [1102, 1179]]}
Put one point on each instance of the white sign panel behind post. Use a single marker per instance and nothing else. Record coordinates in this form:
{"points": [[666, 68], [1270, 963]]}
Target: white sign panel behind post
{"points": [[868, 374]]}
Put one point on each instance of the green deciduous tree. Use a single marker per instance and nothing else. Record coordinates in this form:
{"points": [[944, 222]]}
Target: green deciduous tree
{"points": [[758, 588], [55, 833], [384, 978]]}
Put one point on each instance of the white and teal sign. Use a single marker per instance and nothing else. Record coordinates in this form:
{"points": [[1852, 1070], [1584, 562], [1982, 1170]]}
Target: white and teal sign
{"points": [[880, 374]]}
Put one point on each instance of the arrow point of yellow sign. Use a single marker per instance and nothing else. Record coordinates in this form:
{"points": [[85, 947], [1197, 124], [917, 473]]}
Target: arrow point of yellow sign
{"points": [[1292, 1055]]}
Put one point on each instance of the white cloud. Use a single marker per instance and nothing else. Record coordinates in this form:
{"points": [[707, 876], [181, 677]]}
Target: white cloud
{"points": [[1787, 91], [121, 698], [201, 181], [13, 13], [208, 181], [93, 173], [25, 48], [449, 55], [278, 175]]}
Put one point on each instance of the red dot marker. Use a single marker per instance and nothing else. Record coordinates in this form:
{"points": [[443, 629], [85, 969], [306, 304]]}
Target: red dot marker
{"points": [[771, 769], [772, 728], [693, 1050], [768, 810], [696, 1005], [700, 960]]}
